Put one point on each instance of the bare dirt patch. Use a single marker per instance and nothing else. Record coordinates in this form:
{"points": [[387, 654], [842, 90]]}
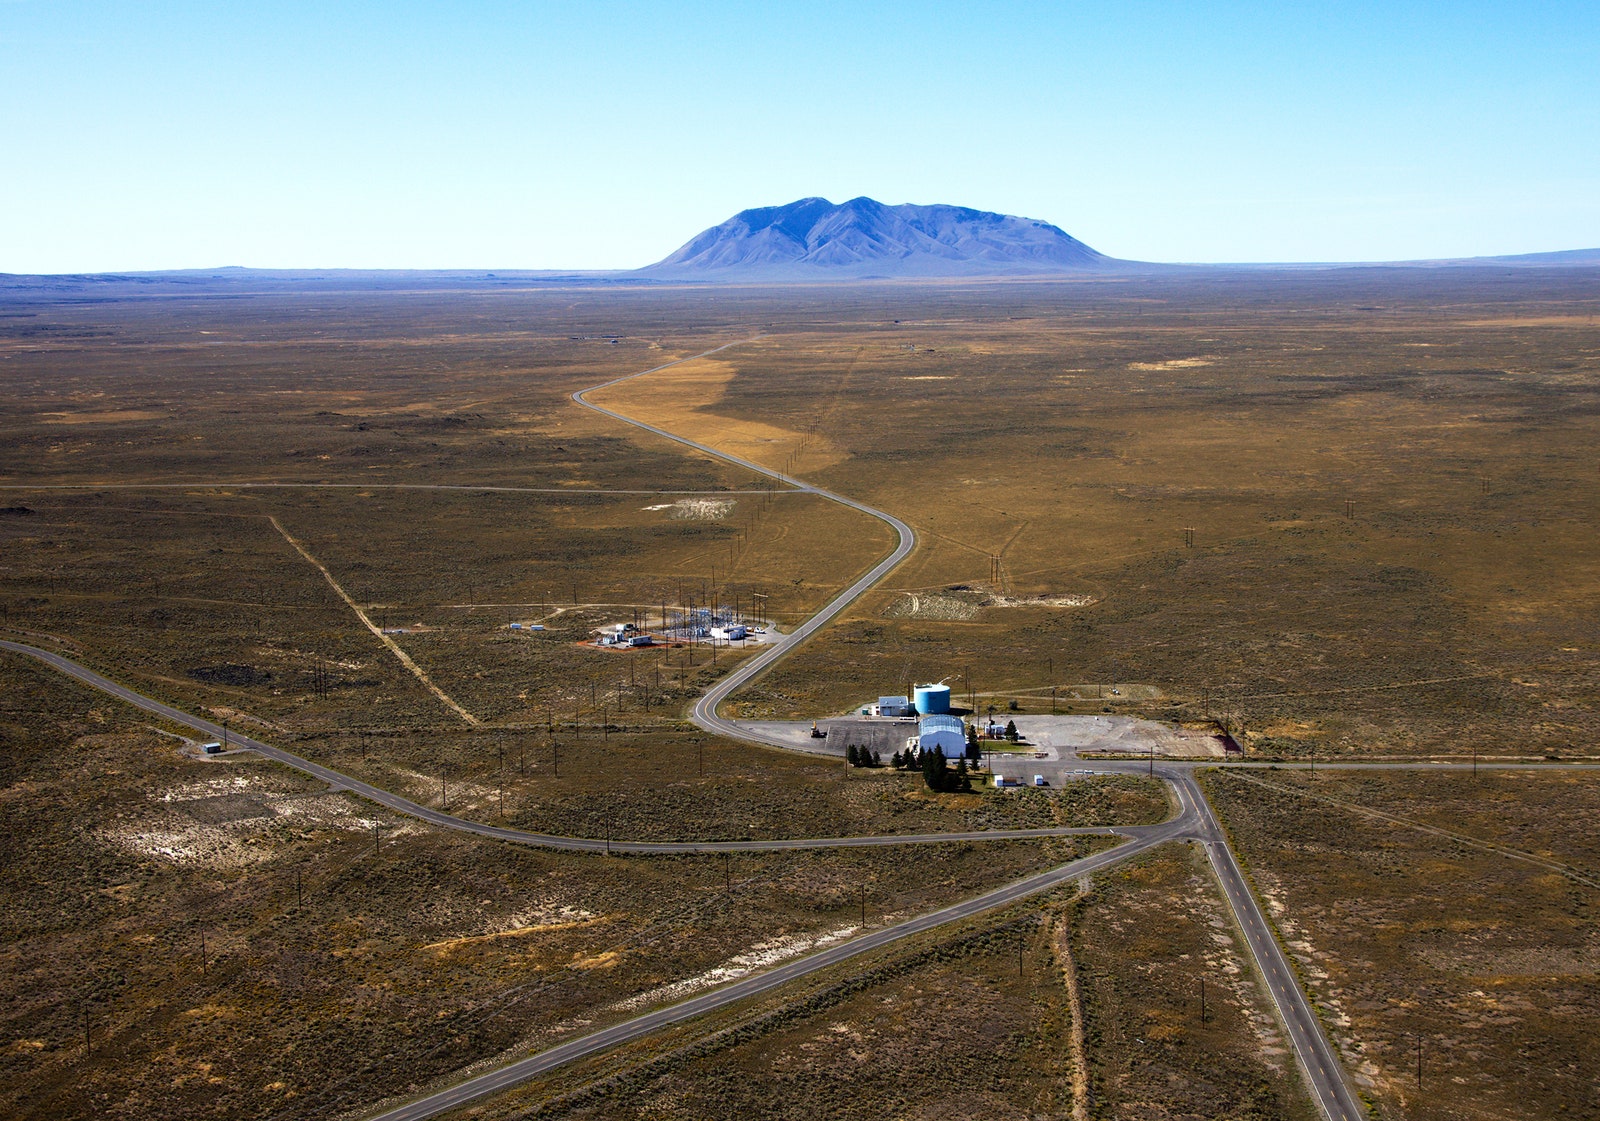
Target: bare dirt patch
{"points": [[697, 509], [1172, 364]]}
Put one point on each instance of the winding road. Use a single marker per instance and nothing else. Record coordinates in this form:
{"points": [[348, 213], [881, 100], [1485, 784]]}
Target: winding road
{"points": [[705, 712], [340, 781], [1194, 821]]}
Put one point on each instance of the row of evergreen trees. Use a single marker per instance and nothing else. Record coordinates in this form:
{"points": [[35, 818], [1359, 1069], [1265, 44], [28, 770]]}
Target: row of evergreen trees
{"points": [[936, 770], [861, 757]]}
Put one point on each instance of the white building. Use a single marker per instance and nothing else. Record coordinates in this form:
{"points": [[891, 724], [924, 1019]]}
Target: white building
{"points": [[892, 706], [947, 733]]}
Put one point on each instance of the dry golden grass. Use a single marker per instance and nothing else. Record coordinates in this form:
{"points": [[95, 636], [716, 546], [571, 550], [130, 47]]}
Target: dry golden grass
{"points": [[677, 400]]}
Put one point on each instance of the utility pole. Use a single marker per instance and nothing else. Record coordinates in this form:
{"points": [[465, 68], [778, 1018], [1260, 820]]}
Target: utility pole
{"points": [[727, 871], [88, 1043], [298, 898], [1419, 1062], [863, 905], [376, 842]]}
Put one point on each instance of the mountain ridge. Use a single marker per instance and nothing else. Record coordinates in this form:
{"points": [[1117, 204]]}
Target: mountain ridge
{"points": [[813, 238]]}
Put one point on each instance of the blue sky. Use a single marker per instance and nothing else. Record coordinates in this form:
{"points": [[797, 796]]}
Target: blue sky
{"points": [[603, 135]]}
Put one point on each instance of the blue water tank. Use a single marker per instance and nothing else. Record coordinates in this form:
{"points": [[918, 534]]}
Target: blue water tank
{"points": [[932, 699]]}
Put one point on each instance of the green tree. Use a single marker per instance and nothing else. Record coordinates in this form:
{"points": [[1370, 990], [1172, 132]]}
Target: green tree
{"points": [[852, 756], [895, 761], [1011, 731], [973, 750]]}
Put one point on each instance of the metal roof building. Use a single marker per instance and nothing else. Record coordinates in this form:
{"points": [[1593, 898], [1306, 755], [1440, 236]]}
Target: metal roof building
{"points": [[893, 706], [947, 733]]}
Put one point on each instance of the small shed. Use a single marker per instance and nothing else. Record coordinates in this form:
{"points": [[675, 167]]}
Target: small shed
{"points": [[893, 706]]}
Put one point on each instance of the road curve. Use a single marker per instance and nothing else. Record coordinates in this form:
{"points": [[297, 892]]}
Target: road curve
{"points": [[704, 712], [1324, 1076], [1195, 820], [341, 781]]}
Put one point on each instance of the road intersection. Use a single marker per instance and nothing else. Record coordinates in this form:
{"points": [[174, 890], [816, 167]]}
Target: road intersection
{"points": [[1194, 821]]}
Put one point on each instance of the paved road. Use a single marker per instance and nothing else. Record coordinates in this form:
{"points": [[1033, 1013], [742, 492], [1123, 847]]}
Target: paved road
{"points": [[1324, 1075], [704, 712], [523, 1069], [341, 781], [1194, 820], [1140, 838], [247, 485], [1315, 1054]]}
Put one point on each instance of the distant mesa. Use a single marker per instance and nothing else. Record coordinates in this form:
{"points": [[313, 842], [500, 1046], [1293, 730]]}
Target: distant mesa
{"points": [[862, 239]]}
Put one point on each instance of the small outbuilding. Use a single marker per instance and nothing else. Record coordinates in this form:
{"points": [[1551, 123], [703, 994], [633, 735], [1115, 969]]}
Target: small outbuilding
{"points": [[893, 706]]}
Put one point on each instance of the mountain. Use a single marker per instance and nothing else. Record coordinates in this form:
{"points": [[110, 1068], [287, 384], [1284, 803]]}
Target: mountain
{"points": [[814, 239], [1561, 258]]}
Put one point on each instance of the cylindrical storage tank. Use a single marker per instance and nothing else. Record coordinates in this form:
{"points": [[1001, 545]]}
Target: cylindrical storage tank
{"points": [[932, 699]]}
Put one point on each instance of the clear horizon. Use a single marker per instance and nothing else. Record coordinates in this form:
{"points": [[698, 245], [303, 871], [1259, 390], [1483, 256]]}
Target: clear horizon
{"points": [[500, 136]]}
